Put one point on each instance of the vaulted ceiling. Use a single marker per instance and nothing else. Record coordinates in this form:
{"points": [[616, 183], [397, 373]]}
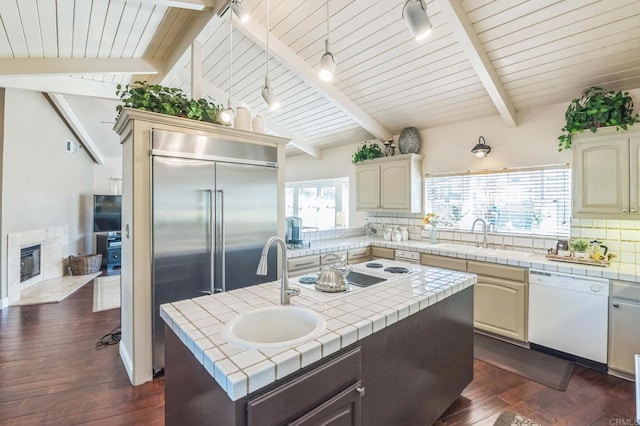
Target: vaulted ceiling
{"points": [[483, 58]]}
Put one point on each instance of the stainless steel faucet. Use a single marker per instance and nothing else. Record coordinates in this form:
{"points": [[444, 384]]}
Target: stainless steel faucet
{"points": [[484, 231], [285, 291]]}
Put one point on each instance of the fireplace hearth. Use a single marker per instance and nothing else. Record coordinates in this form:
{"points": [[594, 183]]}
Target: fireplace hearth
{"points": [[29, 262]]}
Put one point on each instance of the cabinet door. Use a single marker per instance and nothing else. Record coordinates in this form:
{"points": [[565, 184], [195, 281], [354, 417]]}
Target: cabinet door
{"points": [[383, 253], [341, 410], [395, 185], [601, 178], [367, 187], [443, 262], [305, 263], [500, 307], [634, 174], [624, 337]]}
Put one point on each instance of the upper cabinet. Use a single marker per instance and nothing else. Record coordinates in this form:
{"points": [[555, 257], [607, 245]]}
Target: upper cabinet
{"points": [[606, 179], [390, 184]]}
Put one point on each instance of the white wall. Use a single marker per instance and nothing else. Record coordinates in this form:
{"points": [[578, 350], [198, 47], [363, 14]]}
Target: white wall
{"points": [[42, 184], [533, 143], [335, 163], [106, 175]]}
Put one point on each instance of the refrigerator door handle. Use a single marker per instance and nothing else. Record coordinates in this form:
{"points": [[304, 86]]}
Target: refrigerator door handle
{"points": [[219, 240], [211, 243]]}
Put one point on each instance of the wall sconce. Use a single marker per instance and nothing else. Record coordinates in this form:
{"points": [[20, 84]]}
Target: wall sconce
{"points": [[481, 149]]}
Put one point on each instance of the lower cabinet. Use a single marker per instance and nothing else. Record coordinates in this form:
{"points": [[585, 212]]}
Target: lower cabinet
{"points": [[383, 253], [303, 265], [358, 255], [443, 262], [624, 339], [500, 299], [327, 395], [341, 410]]}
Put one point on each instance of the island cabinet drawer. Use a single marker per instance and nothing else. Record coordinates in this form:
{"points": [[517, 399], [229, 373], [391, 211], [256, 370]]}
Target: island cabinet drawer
{"points": [[359, 255], [443, 262], [383, 253], [305, 394], [511, 273], [304, 262]]}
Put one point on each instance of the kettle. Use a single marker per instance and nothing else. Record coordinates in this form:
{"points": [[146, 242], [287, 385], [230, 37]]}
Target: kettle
{"points": [[598, 250], [333, 279]]}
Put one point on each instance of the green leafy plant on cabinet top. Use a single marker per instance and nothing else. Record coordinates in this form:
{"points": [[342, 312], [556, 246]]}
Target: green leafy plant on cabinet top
{"points": [[166, 100], [596, 108], [367, 151]]}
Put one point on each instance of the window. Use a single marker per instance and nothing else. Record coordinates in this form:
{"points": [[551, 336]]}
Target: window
{"points": [[322, 204], [517, 201]]}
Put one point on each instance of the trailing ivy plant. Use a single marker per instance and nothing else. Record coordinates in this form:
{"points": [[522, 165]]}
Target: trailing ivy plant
{"points": [[166, 100], [367, 151], [596, 108]]}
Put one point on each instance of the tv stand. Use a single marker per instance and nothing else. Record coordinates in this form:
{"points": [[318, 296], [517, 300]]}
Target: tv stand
{"points": [[108, 245]]}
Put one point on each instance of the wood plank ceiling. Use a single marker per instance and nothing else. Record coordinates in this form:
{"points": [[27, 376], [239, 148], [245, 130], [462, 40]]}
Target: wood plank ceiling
{"points": [[542, 51]]}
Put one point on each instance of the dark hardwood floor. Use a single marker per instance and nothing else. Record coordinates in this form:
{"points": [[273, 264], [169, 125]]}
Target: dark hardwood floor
{"points": [[51, 373]]}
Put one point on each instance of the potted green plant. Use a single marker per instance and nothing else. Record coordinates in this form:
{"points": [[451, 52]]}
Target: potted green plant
{"points": [[594, 109], [166, 100], [579, 247], [367, 151]]}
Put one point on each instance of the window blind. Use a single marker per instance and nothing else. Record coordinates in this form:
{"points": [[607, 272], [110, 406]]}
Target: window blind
{"points": [[517, 201]]}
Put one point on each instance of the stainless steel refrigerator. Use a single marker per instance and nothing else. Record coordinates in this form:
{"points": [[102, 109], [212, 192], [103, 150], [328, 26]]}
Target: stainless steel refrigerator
{"points": [[214, 207]]}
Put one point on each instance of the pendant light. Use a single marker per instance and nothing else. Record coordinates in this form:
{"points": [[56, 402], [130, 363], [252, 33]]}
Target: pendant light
{"points": [[228, 114], [241, 13], [415, 15], [328, 62], [481, 149], [267, 92]]}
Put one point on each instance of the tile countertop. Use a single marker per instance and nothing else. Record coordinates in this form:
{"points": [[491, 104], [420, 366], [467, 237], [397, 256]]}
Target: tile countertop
{"points": [[617, 270], [351, 317]]}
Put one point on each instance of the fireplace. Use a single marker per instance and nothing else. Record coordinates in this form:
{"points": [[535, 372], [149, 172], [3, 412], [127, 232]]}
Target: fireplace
{"points": [[29, 262]]}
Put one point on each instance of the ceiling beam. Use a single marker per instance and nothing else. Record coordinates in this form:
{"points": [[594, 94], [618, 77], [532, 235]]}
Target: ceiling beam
{"points": [[256, 32], [76, 126], [462, 27], [77, 66], [216, 93], [178, 4], [61, 84], [172, 58]]}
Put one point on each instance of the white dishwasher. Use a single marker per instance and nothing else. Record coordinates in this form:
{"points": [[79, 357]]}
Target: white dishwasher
{"points": [[569, 313]]}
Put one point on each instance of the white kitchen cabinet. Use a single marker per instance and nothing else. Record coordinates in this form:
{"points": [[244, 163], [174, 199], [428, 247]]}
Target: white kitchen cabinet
{"points": [[303, 265], [358, 255], [390, 184], [624, 315], [606, 179], [500, 299]]}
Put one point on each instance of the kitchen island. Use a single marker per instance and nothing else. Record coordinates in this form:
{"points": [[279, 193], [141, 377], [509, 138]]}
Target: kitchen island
{"points": [[399, 352]]}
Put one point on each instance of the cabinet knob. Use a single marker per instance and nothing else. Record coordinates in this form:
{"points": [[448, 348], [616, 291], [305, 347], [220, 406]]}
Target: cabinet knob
{"points": [[616, 305], [624, 210], [360, 390], [634, 211]]}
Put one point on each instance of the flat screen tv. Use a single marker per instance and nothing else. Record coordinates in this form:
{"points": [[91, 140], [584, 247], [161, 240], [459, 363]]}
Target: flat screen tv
{"points": [[107, 213]]}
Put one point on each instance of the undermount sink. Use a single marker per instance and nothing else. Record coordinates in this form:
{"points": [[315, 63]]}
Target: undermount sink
{"points": [[273, 327], [511, 254], [455, 247]]}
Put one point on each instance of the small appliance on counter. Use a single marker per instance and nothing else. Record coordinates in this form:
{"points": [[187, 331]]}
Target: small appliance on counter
{"points": [[293, 236]]}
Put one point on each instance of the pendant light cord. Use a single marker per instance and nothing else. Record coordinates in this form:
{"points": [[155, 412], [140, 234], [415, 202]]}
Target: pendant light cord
{"points": [[268, 25], [230, 57], [327, 19]]}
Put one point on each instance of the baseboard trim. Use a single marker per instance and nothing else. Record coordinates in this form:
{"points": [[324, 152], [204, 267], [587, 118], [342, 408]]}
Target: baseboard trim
{"points": [[4, 303], [126, 360]]}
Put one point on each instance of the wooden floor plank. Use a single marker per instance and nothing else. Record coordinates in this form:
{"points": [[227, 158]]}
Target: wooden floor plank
{"points": [[51, 373]]}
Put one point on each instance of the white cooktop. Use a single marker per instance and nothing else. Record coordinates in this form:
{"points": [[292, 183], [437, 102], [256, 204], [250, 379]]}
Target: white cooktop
{"points": [[308, 288]]}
